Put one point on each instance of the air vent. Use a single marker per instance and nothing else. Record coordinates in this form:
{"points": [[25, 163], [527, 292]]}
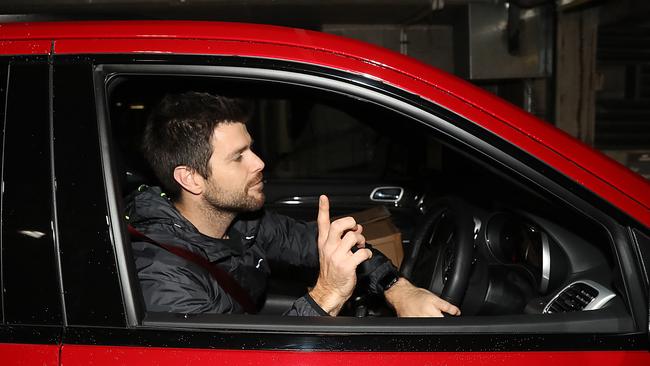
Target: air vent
{"points": [[579, 296]]}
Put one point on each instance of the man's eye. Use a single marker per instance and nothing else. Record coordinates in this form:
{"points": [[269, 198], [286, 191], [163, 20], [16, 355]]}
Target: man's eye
{"points": [[238, 157]]}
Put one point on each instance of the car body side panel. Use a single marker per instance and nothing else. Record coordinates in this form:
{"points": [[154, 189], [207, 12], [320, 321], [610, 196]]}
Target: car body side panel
{"points": [[39, 47], [74, 355], [29, 354], [631, 194]]}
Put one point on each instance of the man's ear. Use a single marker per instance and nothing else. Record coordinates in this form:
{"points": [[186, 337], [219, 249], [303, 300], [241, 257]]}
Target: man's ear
{"points": [[189, 179]]}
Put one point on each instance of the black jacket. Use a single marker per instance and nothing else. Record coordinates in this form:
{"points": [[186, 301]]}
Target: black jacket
{"points": [[171, 283]]}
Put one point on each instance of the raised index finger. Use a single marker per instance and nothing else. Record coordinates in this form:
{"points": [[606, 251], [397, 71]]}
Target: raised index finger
{"points": [[323, 219]]}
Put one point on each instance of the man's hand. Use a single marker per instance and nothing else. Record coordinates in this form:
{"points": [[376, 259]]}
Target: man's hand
{"points": [[411, 301], [338, 264]]}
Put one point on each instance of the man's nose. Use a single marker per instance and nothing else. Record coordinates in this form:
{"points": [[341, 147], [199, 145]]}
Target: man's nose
{"points": [[258, 164]]}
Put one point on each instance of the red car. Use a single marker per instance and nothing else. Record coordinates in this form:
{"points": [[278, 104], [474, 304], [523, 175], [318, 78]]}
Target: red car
{"points": [[545, 241]]}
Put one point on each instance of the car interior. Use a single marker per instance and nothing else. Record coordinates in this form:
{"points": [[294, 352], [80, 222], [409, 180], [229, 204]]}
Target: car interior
{"points": [[493, 242]]}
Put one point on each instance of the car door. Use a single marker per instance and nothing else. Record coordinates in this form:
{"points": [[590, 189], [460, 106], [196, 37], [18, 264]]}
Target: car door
{"points": [[32, 316], [108, 324], [127, 334]]}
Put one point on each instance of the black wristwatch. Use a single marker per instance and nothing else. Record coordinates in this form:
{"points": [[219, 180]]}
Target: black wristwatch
{"points": [[389, 280]]}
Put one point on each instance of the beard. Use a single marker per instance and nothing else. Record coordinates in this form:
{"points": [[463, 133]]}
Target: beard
{"points": [[235, 201]]}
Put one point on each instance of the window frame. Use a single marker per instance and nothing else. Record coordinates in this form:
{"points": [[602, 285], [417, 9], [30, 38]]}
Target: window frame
{"points": [[44, 334], [461, 131], [28, 118], [4, 83]]}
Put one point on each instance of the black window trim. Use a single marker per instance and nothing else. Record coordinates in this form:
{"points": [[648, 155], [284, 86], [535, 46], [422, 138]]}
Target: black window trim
{"points": [[370, 91], [55, 215], [5, 77], [13, 63], [133, 308], [41, 334]]}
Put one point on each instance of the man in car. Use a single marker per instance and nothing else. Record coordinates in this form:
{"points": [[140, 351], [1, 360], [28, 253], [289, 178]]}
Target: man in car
{"points": [[210, 215]]}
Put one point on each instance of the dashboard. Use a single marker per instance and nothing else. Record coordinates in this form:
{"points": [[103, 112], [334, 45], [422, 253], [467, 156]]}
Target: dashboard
{"points": [[522, 264]]}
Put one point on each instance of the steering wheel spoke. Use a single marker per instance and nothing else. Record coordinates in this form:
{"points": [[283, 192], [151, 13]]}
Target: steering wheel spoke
{"points": [[447, 234]]}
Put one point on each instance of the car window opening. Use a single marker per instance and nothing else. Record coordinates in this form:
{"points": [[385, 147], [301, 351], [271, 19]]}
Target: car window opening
{"points": [[529, 254]]}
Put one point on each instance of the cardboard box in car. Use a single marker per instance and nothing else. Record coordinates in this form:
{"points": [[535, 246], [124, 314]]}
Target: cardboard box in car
{"points": [[379, 230]]}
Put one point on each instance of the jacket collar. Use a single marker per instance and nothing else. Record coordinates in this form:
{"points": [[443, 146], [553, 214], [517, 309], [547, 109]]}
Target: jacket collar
{"points": [[151, 211]]}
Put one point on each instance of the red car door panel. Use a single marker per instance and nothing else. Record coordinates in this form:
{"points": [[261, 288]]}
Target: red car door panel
{"points": [[73, 355]]}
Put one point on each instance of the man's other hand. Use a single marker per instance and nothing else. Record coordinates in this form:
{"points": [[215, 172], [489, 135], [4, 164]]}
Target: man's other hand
{"points": [[337, 276], [411, 301]]}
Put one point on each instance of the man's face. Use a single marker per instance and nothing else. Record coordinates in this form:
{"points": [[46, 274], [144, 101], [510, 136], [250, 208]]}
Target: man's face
{"points": [[235, 182]]}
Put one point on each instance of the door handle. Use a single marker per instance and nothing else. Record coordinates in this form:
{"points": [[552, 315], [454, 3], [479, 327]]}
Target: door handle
{"points": [[387, 194]]}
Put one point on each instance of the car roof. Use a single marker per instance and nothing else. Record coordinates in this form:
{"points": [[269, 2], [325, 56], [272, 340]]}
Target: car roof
{"points": [[597, 172]]}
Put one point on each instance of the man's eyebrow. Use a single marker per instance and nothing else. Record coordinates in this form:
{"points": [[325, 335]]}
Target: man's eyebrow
{"points": [[240, 150]]}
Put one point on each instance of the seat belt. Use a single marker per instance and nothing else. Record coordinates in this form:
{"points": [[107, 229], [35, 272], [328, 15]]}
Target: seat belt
{"points": [[223, 278]]}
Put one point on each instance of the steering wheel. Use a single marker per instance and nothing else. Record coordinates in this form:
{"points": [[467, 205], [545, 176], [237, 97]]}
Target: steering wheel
{"points": [[442, 250]]}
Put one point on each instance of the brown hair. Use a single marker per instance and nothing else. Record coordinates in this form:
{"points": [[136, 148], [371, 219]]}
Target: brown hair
{"points": [[179, 131]]}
